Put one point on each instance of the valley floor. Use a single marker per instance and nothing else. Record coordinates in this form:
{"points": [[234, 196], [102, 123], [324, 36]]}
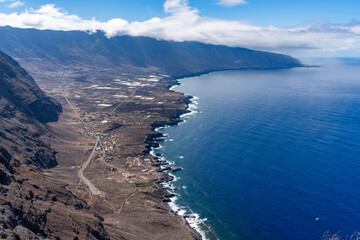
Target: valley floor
{"points": [[115, 116]]}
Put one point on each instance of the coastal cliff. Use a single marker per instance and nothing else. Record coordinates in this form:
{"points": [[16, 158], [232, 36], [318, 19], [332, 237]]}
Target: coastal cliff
{"points": [[48, 50]]}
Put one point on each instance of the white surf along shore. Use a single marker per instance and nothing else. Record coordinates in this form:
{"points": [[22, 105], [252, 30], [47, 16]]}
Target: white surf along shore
{"points": [[194, 219]]}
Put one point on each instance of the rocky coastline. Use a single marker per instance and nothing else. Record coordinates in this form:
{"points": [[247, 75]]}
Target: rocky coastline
{"points": [[153, 141]]}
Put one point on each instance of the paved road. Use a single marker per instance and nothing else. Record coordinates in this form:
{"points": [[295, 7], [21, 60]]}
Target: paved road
{"points": [[91, 186], [67, 100]]}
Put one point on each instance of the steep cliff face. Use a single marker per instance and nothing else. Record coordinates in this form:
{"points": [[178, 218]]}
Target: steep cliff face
{"points": [[51, 50], [32, 206], [24, 108], [20, 91]]}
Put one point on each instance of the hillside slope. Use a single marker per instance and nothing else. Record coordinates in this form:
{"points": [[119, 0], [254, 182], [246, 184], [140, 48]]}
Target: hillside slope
{"points": [[24, 108], [20, 90], [52, 50], [31, 205]]}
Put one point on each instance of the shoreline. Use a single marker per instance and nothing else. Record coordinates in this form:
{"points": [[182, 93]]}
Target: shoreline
{"points": [[237, 69], [191, 218], [154, 142]]}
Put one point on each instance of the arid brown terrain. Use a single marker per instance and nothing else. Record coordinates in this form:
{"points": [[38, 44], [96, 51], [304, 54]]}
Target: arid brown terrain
{"points": [[122, 112], [42, 194]]}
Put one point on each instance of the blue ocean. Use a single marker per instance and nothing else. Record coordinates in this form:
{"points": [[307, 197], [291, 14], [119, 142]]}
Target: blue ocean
{"points": [[270, 154]]}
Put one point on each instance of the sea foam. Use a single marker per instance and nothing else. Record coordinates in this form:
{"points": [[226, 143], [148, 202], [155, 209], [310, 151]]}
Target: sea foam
{"points": [[192, 218]]}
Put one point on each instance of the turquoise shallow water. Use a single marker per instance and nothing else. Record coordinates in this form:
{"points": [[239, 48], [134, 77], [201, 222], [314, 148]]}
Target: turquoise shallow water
{"points": [[273, 154]]}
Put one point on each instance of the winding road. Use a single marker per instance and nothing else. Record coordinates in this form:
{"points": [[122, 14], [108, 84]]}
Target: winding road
{"points": [[92, 188]]}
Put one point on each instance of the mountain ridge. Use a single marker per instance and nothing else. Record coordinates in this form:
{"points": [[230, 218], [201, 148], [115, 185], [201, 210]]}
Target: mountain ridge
{"points": [[73, 49]]}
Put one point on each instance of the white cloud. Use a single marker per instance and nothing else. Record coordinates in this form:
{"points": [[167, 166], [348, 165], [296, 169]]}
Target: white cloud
{"points": [[172, 6], [185, 23], [16, 4], [231, 3]]}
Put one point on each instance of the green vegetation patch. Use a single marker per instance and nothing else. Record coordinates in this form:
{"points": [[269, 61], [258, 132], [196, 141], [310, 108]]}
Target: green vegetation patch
{"points": [[142, 184]]}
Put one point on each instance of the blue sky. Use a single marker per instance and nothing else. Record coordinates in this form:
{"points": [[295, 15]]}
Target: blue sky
{"points": [[263, 12], [317, 27]]}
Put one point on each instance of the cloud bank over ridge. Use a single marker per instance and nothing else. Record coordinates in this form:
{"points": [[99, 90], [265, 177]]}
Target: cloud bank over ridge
{"points": [[184, 23]]}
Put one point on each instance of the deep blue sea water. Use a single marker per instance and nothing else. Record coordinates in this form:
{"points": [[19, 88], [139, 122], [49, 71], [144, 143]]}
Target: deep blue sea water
{"points": [[273, 154]]}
